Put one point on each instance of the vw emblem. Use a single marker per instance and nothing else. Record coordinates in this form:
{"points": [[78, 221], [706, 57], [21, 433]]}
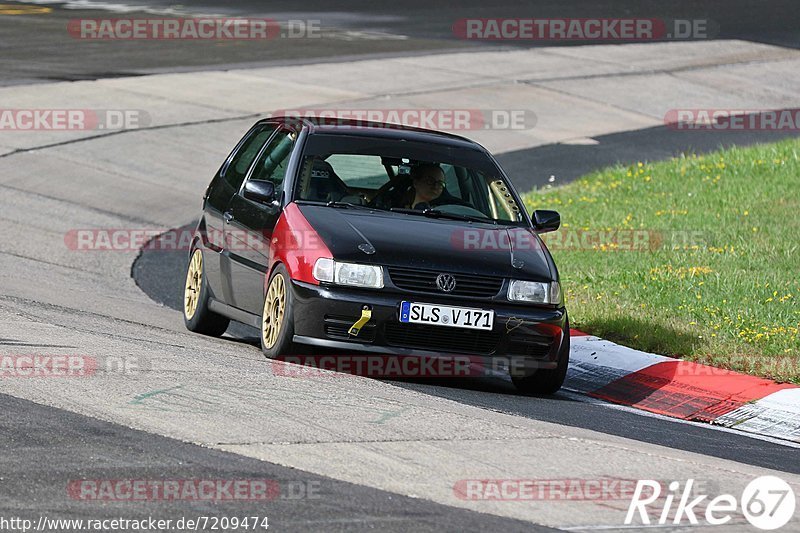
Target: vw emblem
{"points": [[446, 282]]}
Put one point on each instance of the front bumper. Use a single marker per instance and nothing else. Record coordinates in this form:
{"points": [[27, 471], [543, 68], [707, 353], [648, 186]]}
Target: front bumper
{"points": [[323, 315]]}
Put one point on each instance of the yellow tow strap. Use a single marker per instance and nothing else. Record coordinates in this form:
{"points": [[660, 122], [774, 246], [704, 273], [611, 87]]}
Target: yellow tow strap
{"points": [[366, 314]]}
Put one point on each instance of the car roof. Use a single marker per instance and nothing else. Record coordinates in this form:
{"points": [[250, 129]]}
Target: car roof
{"points": [[364, 128]]}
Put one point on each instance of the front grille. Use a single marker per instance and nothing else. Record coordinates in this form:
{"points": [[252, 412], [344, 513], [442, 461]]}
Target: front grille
{"points": [[338, 327], [425, 281], [444, 339]]}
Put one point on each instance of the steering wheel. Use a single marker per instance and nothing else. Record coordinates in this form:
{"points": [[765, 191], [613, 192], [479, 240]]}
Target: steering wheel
{"points": [[396, 184]]}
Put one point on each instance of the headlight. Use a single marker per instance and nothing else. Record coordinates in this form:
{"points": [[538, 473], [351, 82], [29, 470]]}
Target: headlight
{"points": [[535, 292], [351, 274]]}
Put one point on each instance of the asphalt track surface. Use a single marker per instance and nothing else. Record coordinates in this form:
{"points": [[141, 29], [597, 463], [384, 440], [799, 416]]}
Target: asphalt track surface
{"points": [[40, 460], [37, 47], [44, 447]]}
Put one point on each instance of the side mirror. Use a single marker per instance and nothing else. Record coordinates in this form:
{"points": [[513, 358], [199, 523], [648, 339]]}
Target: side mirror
{"points": [[259, 191], [544, 220]]}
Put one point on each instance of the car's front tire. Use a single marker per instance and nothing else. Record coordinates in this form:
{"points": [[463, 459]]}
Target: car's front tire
{"points": [[277, 318], [542, 381], [196, 315]]}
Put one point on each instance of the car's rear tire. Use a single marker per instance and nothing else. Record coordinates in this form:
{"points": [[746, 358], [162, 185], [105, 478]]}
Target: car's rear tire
{"points": [[196, 315], [277, 317], [543, 381]]}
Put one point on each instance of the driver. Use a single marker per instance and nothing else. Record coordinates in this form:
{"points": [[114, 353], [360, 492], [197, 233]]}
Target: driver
{"points": [[427, 185]]}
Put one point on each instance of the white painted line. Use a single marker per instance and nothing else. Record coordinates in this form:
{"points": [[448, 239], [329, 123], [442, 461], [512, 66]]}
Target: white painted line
{"points": [[777, 415], [581, 397]]}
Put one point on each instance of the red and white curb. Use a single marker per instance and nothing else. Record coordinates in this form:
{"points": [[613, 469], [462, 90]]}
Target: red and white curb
{"points": [[682, 389]]}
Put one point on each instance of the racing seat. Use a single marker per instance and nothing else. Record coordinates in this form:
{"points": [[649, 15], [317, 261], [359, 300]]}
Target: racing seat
{"points": [[325, 185]]}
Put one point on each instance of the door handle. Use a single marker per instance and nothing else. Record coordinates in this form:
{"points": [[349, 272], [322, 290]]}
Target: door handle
{"points": [[227, 216]]}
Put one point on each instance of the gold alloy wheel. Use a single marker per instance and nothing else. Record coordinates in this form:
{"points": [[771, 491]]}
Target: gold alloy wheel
{"points": [[194, 282], [274, 307]]}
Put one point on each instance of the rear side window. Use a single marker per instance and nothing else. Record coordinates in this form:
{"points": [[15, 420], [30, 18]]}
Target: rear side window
{"points": [[239, 165], [272, 164]]}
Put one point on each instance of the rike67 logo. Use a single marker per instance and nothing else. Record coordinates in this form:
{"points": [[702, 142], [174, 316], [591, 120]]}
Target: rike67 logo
{"points": [[767, 502]]}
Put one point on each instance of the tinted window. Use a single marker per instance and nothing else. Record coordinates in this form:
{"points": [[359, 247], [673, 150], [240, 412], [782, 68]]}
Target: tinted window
{"points": [[237, 170], [271, 165], [451, 177], [389, 182]]}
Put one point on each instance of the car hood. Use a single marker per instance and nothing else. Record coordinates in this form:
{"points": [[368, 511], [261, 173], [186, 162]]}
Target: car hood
{"points": [[395, 239]]}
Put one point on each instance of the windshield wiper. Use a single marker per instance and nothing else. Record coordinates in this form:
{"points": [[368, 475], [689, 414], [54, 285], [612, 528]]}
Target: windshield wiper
{"points": [[346, 205], [435, 213], [341, 205]]}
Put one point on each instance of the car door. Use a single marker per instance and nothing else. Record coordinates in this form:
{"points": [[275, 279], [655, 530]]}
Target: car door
{"points": [[223, 188], [249, 225]]}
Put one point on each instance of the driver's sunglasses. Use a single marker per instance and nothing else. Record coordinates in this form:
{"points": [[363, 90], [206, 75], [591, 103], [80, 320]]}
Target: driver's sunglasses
{"points": [[433, 182]]}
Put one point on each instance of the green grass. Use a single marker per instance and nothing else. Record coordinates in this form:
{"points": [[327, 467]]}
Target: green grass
{"points": [[715, 273]]}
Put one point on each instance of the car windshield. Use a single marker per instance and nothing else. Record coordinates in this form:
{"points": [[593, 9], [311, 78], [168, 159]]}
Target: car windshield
{"points": [[406, 176]]}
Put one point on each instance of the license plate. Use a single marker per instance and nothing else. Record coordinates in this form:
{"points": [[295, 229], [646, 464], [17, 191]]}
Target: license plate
{"points": [[445, 315]]}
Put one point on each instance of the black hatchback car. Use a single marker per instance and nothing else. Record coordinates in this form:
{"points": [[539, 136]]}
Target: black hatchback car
{"points": [[382, 239]]}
